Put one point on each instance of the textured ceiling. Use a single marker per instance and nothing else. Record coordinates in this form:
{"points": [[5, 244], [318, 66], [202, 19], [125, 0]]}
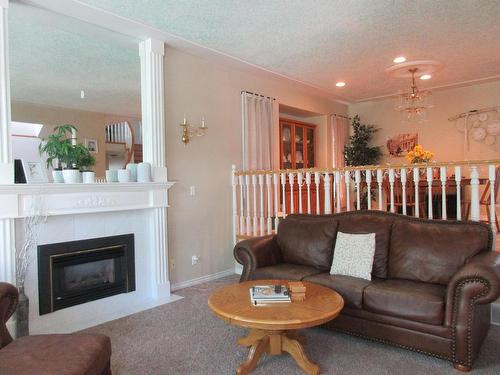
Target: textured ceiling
{"points": [[53, 57], [323, 41]]}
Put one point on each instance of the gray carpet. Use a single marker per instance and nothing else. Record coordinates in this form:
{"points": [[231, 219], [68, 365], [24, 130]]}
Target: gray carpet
{"points": [[184, 337]]}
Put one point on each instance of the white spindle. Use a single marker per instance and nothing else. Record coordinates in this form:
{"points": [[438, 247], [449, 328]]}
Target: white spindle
{"points": [[403, 190], [442, 175], [347, 181], [308, 184], [492, 176], [458, 178], [242, 207], [474, 194], [416, 178], [283, 192], [269, 204], [291, 181], [380, 179], [316, 181], [249, 221], [235, 202], [254, 198], [328, 205], [430, 177], [276, 200], [261, 196], [391, 186], [299, 182], [357, 181], [368, 179], [337, 187]]}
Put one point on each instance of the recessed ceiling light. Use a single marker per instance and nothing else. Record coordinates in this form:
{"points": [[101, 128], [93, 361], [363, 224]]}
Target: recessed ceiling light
{"points": [[340, 84], [425, 77], [399, 59]]}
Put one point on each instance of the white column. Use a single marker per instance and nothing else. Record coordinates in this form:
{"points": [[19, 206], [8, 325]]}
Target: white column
{"points": [[403, 189], [299, 182], [391, 187], [276, 200], [337, 187], [269, 204], [492, 213], [308, 184], [316, 181], [368, 174], [291, 180], [261, 197], [357, 182], [347, 181], [254, 199], [235, 203], [242, 228], [430, 177], [416, 176], [442, 175], [152, 53], [380, 179], [7, 235]]}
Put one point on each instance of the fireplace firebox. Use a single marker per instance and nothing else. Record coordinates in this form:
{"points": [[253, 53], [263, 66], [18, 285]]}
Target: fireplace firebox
{"points": [[75, 272]]}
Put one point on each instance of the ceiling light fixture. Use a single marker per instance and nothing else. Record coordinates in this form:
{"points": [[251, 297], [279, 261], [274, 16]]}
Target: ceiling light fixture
{"points": [[340, 84], [414, 102], [425, 77], [399, 59]]}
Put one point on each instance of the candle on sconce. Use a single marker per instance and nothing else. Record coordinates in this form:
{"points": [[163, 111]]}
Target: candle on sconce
{"points": [[185, 120], [203, 122]]}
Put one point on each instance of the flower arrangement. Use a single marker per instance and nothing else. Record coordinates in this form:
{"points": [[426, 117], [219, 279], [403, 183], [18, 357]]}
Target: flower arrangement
{"points": [[419, 155]]}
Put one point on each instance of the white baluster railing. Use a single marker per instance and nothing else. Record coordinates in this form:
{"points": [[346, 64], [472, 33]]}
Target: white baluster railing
{"points": [[261, 198]]}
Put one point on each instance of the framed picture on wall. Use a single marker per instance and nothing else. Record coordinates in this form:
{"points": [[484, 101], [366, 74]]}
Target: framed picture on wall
{"points": [[34, 172], [91, 145]]}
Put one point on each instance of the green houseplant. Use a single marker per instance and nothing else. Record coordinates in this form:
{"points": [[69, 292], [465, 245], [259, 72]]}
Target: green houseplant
{"points": [[359, 151], [57, 146]]}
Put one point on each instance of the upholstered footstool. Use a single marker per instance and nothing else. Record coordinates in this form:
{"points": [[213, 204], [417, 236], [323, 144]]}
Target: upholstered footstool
{"points": [[72, 354]]}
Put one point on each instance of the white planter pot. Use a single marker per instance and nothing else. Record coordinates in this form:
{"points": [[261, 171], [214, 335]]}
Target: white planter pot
{"points": [[72, 176], [57, 176], [88, 177], [132, 167], [144, 172], [123, 175]]}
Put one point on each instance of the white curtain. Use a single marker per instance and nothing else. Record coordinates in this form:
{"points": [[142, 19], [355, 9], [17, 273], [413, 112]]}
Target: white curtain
{"points": [[339, 135], [257, 121]]}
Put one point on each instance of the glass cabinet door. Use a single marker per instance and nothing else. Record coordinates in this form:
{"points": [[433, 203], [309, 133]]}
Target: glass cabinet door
{"points": [[310, 148], [286, 146], [299, 147]]}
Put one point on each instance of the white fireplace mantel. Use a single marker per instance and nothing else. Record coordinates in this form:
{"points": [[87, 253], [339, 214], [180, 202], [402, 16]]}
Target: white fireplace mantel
{"points": [[16, 200]]}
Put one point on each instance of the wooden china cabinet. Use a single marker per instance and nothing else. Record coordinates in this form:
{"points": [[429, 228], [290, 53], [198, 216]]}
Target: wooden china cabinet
{"points": [[298, 151]]}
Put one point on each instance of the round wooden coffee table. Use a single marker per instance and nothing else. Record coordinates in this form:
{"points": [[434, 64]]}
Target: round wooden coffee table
{"points": [[272, 327]]}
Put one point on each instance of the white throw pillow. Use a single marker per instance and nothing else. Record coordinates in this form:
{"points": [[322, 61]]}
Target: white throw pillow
{"points": [[353, 255]]}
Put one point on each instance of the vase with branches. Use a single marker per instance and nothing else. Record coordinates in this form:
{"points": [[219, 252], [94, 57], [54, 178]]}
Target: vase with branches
{"points": [[32, 225], [359, 151]]}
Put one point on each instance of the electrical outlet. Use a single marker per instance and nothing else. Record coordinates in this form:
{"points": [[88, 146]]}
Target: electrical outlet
{"points": [[195, 259], [172, 264]]}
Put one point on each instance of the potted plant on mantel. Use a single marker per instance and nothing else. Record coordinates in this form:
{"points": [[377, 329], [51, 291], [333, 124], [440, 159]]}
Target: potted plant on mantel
{"points": [[85, 161], [60, 146], [56, 147]]}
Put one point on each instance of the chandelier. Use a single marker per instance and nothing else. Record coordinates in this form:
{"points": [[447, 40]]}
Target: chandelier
{"points": [[414, 103]]}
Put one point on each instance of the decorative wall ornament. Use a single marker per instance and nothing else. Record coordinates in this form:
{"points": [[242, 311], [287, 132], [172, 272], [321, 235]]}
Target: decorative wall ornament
{"points": [[482, 125], [400, 144]]}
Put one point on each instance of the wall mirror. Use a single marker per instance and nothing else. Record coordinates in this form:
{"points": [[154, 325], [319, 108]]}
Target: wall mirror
{"points": [[65, 71]]}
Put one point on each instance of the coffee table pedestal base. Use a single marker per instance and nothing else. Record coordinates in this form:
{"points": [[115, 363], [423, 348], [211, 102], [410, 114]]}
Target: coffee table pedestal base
{"points": [[274, 343]]}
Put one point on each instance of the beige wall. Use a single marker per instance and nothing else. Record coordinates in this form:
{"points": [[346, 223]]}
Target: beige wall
{"points": [[438, 134], [202, 224], [89, 124]]}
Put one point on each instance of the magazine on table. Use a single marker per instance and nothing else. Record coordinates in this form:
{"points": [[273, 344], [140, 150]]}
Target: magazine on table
{"points": [[263, 294]]}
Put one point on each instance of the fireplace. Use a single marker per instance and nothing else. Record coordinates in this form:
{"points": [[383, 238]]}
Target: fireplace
{"points": [[76, 272]]}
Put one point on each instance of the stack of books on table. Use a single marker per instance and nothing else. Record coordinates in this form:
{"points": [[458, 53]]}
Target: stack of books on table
{"points": [[269, 294]]}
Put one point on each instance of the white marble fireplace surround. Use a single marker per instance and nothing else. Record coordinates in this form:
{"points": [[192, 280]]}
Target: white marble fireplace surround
{"points": [[76, 212]]}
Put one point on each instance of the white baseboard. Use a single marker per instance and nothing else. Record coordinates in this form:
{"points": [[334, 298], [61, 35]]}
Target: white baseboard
{"points": [[238, 268], [202, 279]]}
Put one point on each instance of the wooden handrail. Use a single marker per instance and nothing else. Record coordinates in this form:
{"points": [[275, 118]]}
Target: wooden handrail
{"points": [[371, 167]]}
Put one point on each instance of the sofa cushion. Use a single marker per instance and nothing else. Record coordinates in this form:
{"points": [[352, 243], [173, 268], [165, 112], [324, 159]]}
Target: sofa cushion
{"points": [[371, 223], [284, 271], [353, 255], [350, 288], [433, 252], [406, 299], [307, 240], [74, 354]]}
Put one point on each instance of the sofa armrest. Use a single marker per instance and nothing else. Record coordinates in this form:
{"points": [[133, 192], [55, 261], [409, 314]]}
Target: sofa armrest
{"points": [[257, 252], [8, 303], [476, 283]]}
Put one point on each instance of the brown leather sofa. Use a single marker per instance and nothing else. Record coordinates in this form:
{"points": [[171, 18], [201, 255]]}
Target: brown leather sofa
{"points": [[71, 354], [432, 281]]}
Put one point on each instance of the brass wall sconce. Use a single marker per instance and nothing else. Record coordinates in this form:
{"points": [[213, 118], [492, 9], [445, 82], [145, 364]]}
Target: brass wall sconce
{"points": [[189, 131]]}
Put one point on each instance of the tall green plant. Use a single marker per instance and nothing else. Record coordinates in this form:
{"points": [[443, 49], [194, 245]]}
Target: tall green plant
{"points": [[57, 146], [359, 151]]}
